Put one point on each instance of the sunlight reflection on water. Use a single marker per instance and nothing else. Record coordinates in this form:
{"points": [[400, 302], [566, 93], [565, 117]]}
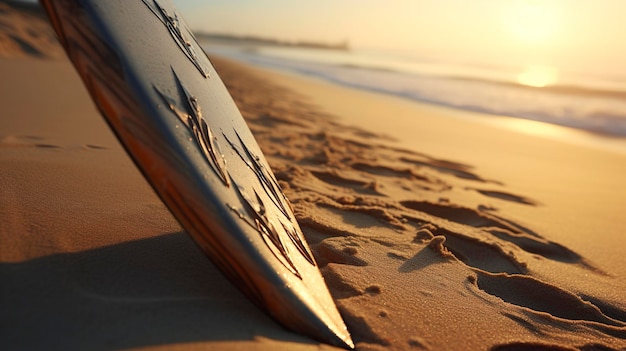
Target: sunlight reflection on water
{"points": [[561, 133], [538, 76]]}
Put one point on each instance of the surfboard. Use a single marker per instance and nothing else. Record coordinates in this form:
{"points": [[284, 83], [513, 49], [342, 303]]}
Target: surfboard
{"points": [[165, 102]]}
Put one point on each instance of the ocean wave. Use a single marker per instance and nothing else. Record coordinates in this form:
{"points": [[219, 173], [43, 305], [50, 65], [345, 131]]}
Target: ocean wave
{"points": [[587, 108], [566, 89]]}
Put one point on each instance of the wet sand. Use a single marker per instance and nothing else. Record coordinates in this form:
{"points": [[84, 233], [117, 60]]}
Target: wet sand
{"points": [[433, 229]]}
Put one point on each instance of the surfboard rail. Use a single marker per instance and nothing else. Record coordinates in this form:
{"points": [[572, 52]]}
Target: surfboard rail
{"points": [[160, 94]]}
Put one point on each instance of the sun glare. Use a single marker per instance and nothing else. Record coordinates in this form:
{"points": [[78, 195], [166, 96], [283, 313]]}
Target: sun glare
{"points": [[538, 76], [532, 21]]}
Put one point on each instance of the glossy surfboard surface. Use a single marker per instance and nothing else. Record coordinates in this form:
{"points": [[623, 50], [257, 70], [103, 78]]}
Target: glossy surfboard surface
{"points": [[163, 99]]}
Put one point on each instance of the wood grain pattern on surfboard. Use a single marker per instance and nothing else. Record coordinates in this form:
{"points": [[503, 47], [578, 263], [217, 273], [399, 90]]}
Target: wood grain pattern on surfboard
{"points": [[163, 99]]}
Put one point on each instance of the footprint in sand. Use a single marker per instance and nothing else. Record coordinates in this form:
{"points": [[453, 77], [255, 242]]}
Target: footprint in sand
{"points": [[528, 292], [479, 254], [447, 167], [498, 228], [340, 253], [506, 196], [338, 180]]}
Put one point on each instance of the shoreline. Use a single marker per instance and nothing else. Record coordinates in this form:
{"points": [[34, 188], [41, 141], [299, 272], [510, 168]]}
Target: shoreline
{"points": [[565, 106], [534, 128]]}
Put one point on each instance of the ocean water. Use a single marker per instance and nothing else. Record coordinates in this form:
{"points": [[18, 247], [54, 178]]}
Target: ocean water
{"points": [[586, 101]]}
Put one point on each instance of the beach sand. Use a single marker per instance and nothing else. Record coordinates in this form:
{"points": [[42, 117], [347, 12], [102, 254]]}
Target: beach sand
{"points": [[435, 229]]}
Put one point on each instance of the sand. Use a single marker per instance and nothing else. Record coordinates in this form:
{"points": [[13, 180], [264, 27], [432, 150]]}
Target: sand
{"points": [[434, 229]]}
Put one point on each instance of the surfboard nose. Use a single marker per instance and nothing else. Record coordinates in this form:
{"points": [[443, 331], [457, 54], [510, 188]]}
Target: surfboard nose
{"points": [[311, 314]]}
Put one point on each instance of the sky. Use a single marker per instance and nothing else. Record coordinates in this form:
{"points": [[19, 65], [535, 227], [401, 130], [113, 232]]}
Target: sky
{"points": [[572, 33]]}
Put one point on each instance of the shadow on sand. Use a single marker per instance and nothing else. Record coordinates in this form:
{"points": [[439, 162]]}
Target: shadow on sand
{"points": [[155, 291]]}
